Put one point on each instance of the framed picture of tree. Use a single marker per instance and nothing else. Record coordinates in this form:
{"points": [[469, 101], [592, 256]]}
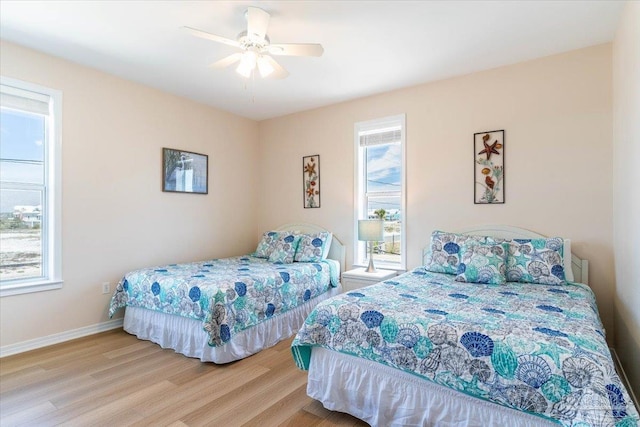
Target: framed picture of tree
{"points": [[184, 171], [311, 181], [488, 162]]}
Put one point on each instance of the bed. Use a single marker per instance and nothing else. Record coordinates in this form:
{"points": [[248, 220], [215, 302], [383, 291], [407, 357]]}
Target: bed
{"points": [[426, 349], [223, 310]]}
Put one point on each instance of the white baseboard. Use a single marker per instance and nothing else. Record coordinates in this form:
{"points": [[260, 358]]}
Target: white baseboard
{"points": [[23, 346]]}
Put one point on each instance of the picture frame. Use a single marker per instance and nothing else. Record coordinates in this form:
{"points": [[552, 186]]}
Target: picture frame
{"points": [[311, 181], [184, 171], [488, 163]]}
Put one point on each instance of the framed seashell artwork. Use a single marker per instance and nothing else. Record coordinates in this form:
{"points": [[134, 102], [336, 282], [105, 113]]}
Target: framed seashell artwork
{"points": [[311, 181], [488, 163]]}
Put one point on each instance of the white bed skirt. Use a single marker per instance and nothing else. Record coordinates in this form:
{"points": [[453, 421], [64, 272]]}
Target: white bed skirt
{"points": [[383, 396], [186, 335]]}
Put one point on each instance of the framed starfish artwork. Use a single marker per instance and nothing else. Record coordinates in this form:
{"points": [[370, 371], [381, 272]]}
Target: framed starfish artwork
{"points": [[488, 163], [311, 181]]}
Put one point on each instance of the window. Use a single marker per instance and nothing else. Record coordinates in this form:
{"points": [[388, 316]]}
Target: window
{"points": [[380, 188], [30, 175]]}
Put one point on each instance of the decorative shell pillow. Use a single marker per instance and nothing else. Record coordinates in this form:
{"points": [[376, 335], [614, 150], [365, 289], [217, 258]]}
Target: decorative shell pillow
{"points": [[284, 248], [313, 247], [483, 263], [444, 251], [266, 244], [536, 261]]}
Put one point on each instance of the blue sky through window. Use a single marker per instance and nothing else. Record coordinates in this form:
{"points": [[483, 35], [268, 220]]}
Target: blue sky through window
{"points": [[22, 137], [384, 169]]}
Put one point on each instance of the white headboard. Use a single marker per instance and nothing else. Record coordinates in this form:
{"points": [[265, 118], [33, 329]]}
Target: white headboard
{"points": [[336, 251], [580, 267]]}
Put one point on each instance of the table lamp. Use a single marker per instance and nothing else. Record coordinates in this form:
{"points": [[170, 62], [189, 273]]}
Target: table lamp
{"points": [[370, 230]]}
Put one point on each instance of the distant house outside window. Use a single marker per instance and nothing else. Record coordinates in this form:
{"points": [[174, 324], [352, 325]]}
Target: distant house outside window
{"points": [[30, 175], [380, 188]]}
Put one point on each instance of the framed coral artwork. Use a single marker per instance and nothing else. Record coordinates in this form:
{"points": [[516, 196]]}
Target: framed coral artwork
{"points": [[311, 181], [488, 162]]}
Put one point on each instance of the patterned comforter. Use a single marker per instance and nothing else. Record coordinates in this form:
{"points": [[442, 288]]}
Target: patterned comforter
{"points": [[228, 295], [535, 348]]}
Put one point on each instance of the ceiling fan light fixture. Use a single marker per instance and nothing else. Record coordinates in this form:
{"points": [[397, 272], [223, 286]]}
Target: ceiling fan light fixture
{"points": [[247, 64], [256, 49], [264, 66]]}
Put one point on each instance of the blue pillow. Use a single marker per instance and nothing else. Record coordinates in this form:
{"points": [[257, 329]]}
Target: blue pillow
{"points": [[536, 261], [444, 251], [265, 247], [483, 263], [313, 247], [284, 249]]}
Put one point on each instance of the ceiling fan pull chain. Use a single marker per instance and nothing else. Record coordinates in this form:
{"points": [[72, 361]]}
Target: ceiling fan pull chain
{"points": [[253, 85]]}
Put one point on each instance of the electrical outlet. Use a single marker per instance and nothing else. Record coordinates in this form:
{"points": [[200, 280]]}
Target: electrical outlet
{"points": [[106, 287]]}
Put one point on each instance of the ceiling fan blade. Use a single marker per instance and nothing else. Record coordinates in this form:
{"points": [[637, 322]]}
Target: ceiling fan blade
{"points": [[214, 37], [257, 23], [226, 61], [278, 71], [296, 49]]}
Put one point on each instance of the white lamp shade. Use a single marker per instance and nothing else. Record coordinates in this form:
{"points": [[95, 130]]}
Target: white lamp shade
{"points": [[247, 64], [370, 229], [264, 66]]}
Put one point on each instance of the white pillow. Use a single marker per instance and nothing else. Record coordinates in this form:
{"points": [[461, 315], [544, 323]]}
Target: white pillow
{"points": [[327, 246], [568, 271]]}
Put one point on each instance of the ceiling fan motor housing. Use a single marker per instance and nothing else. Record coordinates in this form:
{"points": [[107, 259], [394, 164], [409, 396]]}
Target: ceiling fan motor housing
{"points": [[247, 42]]}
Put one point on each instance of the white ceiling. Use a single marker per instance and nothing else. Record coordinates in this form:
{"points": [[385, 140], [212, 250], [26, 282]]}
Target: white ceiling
{"points": [[370, 46]]}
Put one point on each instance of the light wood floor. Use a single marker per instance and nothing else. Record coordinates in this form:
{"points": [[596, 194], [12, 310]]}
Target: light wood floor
{"points": [[115, 379]]}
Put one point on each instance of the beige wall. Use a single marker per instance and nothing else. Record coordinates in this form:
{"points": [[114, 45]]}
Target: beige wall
{"points": [[556, 112], [626, 190], [115, 216]]}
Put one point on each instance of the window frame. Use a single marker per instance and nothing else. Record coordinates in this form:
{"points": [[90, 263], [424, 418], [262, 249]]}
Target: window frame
{"points": [[51, 223], [360, 253]]}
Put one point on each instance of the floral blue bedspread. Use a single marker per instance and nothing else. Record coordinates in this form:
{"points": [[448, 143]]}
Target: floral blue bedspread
{"points": [[228, 295], [535, 348]]}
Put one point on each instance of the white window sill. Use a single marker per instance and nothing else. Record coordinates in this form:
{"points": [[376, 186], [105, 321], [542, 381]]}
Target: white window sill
{"points": [[28, 287]]}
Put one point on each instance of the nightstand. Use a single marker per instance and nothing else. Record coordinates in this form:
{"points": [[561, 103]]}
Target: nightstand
{"points": [[358, 278]]}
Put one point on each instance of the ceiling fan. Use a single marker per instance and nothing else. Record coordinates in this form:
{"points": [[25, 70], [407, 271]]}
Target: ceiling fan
{"points": [[256, 47]]}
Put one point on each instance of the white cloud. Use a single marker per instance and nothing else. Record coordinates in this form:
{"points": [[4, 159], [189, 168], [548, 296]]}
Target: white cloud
{"points": [[386, 164]]}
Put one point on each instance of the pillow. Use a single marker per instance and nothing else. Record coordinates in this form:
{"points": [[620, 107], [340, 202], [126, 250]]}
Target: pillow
{"points": [[284, 248], [313, 247], [483, 263], [444, 251], [536, 261], [566, 256], [265, 247]]}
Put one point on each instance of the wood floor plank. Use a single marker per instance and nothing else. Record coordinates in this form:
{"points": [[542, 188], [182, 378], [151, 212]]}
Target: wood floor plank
{"points": [[26, 413], [114, 379], [37, 357], [192, 399], [17, 378], [302, 418], [35, 395], [255, 398], [279, 412], [112, 387], [106, 413]]}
